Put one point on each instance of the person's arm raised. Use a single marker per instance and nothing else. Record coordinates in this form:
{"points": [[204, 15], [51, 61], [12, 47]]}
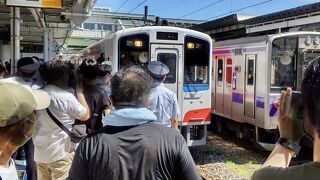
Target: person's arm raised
{"points": [[83, 102], [289, 130]]}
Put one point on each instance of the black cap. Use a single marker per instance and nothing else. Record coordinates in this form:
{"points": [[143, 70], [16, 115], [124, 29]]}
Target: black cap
{"points": [[28, 65], [157, 69]]}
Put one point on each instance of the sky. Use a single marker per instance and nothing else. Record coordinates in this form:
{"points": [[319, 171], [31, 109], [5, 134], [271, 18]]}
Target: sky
{"points": [[201, 9]]}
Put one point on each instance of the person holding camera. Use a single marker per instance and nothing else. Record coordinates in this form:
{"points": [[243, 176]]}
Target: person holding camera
{"points": [[53, 147], [292, 129], [94, 95]]}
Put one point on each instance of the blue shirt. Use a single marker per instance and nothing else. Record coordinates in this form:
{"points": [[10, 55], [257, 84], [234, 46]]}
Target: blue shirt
{"points": [[164, 104]]}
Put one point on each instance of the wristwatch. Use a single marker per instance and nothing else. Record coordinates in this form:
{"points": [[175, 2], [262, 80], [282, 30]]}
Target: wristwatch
{"points": [[290, 144]]}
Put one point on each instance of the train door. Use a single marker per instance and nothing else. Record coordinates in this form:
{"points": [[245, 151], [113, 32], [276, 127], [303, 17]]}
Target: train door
{"points": [[249, 94], [219, 85], [227, 94], [171, 56]]}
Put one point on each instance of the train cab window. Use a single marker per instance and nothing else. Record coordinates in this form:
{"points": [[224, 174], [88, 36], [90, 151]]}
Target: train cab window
{"points": [[169, 59], [220, 70], [133, 50], [196, 61], [284, 62]]}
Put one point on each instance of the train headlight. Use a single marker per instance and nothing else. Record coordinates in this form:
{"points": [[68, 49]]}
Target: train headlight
{"points": [[138, 43], [190, 45], [308, 40], [316, 40], [198, 45]]}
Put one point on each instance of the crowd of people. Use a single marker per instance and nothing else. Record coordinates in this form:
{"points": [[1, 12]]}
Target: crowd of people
{"points": [[83, 122], [81, 102]]}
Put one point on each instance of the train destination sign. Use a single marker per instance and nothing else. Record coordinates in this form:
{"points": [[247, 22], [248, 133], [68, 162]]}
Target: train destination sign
{"points": [[36, 3]]}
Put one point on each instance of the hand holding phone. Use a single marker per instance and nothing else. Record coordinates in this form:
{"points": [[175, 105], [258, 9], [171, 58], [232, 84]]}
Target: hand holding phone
{"points": [[290, 119]]}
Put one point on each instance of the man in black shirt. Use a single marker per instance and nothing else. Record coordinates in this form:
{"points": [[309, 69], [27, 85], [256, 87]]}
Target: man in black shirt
{"points": [[131, 145]]}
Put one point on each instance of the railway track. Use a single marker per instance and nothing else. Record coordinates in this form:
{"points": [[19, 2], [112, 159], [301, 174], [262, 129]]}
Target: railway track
{"points": [[227, 157]]}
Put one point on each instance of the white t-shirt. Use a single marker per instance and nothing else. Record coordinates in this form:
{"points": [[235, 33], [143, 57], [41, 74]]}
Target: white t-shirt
{"points": [[50, 141], [9, 173], [164, 104]]}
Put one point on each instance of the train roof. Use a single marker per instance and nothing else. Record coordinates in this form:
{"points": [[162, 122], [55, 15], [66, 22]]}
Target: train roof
{"points": [[146, 29], [259, 39], [160, 28], [241, 41]]}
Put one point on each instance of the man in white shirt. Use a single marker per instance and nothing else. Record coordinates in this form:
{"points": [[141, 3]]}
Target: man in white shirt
{"points": [[18, 103], [164, 102], [53, 148]]}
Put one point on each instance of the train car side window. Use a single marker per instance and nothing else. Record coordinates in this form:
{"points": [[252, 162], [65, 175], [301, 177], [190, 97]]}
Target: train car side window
{"points": [[229, 71], [220, 70], [169, 59], [250, 77]]}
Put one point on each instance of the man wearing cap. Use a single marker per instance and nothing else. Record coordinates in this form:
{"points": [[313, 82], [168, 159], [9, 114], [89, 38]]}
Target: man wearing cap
{"points": [[28, 71], [164, 102], [18, 103]]}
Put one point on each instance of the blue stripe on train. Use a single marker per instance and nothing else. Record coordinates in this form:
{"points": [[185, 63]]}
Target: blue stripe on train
{"points": [[195, 88]]}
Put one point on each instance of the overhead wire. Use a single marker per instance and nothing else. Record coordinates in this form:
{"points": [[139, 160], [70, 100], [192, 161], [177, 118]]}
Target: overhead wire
{"points": [[171, 5], [202, 8], [137, 6], [233, 11], [121, 5]]}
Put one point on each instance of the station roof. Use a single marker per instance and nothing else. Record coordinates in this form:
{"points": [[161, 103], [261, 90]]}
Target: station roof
{"points": [[233, 19], [60, 21], [235, 25], [301, 10]]}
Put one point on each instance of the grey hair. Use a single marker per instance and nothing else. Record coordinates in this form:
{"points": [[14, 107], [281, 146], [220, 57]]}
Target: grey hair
{"points": [[130, 87]]}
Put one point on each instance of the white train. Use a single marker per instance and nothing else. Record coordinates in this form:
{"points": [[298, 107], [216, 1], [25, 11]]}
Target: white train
{"points": [[187, 53], [248, 75]]}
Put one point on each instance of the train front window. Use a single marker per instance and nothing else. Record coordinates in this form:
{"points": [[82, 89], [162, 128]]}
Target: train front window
{"points": [[196, 61], [133, 50], [284, 62], [169, 59]]}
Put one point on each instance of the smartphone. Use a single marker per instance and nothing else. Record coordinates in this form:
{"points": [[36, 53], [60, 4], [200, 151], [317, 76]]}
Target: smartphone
{"points": [[297, 114], [297, 109]]}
